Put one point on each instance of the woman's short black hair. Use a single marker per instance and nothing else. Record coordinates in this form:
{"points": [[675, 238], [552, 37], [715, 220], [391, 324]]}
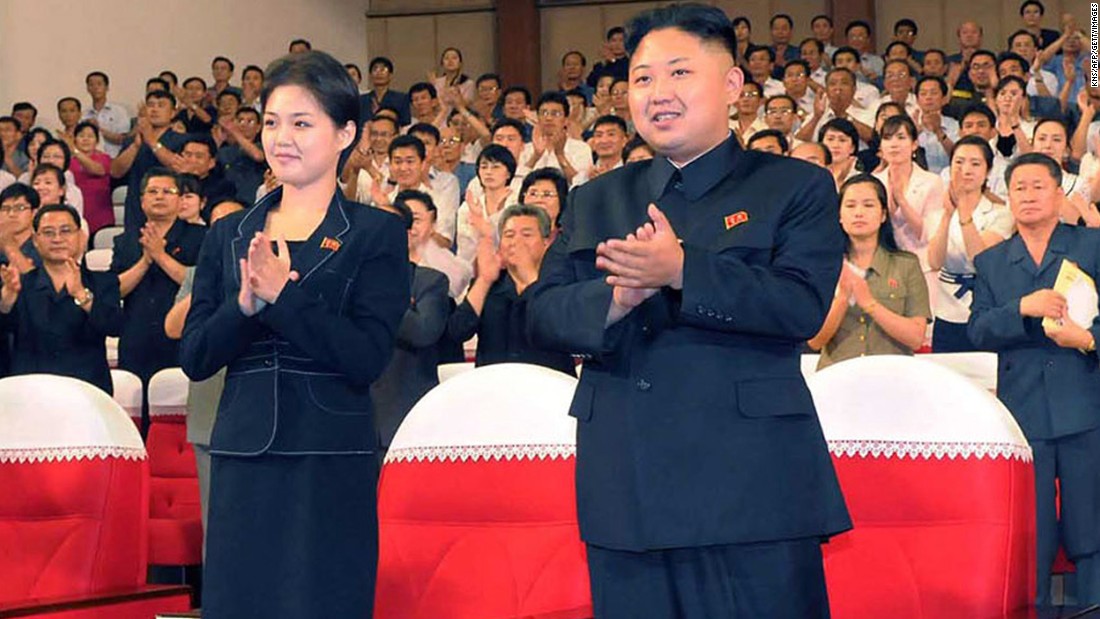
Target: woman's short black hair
{"points": [[1010, 79], [708, 23], [86, 124], [55, 208], [30, 138], [68, 154], [981, 143], [496, 153], [326, 79], [554, 176], [49, 168], [886, 230], [901, 122], [189, 183], [841, 125]]}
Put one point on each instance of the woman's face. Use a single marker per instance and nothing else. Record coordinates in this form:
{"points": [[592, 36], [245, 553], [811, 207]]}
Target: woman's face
{"points": [[968, 168], [861, 213], [35, 143], [899, 147], [618, 96], [839, 144], [1009, 99], [85, 140], [49, 190], [301, 142], [603, 85], [493, 174], [544, 193], [1050, 139], [53, 155], [190, 206], [883, 114], [451, 61], [640, 153]]}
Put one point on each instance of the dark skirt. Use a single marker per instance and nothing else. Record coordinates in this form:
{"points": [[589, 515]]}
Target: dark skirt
{"points": [[291, 536]]}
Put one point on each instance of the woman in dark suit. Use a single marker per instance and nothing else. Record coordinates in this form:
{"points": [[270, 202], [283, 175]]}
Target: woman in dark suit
{"points": [[299, 298]]}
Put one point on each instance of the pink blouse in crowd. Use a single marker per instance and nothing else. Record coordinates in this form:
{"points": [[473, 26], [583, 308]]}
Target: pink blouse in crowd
{"points": [[98, 211]]}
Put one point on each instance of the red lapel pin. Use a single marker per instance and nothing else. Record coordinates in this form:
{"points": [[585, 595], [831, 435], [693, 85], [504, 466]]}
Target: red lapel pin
{"points": [[736, 219], [330, 244]]}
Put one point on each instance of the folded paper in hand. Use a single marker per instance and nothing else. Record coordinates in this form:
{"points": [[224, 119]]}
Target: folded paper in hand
{"points": [[1080, 292]]}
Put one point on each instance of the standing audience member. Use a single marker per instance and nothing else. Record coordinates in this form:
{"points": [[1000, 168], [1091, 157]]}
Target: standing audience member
{"points": [[615, 61], [380, 95], [609, 136], [221, 69], [199, 157], [69, 113], [91, 172], [551, 146], [859, 38], [153, 145], [252, 82], [112, 119], [478, 216], [18, 203], [782, 25], [840, 137], [11, 135], [452, 76], [746, 119], [938, 133], [241, 157], [1031, 14], [195, 116]]}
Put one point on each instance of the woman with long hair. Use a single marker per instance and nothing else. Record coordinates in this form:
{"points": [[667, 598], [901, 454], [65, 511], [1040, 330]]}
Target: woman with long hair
{"points": [[450, 61]]}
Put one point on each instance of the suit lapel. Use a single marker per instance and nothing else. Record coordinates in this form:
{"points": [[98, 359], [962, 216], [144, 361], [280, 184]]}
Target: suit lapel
{"points": [[252, 222], [325, 241]]}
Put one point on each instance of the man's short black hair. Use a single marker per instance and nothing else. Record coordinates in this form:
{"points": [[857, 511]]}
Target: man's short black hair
{"points": [[250, 68], [201, 138], [423, 87], [778, 16], [1027, 3], [741, 19], [828, 19], [573, 52], [610, 119], [389, 119], [380, 60], [248, 110], [309, 46], [982, 110], [553, 96], [1046, 161], [892, 44], [846, 49], [159, 82], [936, 50], [106, 80], [905, 21], [24, 106], [616, 30], [230, 93], [520, 89], [161, 94], [55, 208], [940, 83], [708, 23], [488, 77], [408, 141], [11, 120], [194, 78], [784, 96], [752, 49], [818, 44], [175, 78], [784, 146], [507, 122], [1012, 57], [401, 205], [159, 172], [857, 23], [424, 129], [232, 67], [73, 99], [1022, 32], [798, 62], [982, 52], [21, 190]]}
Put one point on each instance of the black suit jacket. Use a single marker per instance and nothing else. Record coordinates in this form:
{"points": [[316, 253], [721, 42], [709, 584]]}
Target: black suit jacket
{"points": [[299, 371], [695, 426], [414, 369]]}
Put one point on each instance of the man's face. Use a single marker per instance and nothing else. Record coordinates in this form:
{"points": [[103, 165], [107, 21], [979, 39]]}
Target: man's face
{"points": [[1034, 196], [430, 145], [970, 35], [25, 118], [551, 118], [16, 215], [934, 65], [515, 105], [929, 97], [981, 71], [616, 43], [859, 38], [450, 144], [680, 92], [781, 31], [57, 238], [520, 241], [767, 145], [619, 91], [406, 167], [571, 67], [822, 30], [779, 114], [906, 34], [841, 88], [69, 113], [509, 138], [1032, 16], [227, 106], [422, 103], [749, 102], [221, 71], [795, 80], [976, 124], [897, 79], [1011, 67], [608, 141], [897, 52], [1073, 44], [810, 151], [847, 61], [488, 92], [252, 81], [380, 75], [97, 87], [299, 48], [1024, 45], [760, 65], [197, 159], [161, 199], [249, 125], [193, 91], [9, 134], [810, 54], [381, 134]]}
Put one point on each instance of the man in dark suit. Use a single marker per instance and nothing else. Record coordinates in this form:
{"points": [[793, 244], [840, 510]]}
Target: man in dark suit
{"points": [[380, 95], [1047, 376], [704, 484]]}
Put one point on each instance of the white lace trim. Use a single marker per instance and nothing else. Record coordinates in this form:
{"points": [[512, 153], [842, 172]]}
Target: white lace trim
{"points": [[167, 410], [928, 450], [57, 454], [453, 453]]}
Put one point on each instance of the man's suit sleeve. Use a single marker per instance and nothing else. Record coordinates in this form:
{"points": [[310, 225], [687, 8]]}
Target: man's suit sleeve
{"points": [[426, 320], [786, 298], [993, 326]]}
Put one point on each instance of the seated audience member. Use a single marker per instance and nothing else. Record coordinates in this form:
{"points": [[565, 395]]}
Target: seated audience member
{"points": [[871, 65], [881, 302], [58, 155], [192, 201], [444, 185], [840, 137], [1077, 208], [199, 157], [761, 63], [495, 308], [195, 116], [428, 253], [409, 170], [969, 225], [870, 158], [969, 35], [507, 133], [488, 104], [581, 116], [1039, 81], [449, 158], [112, 119], [1085, 144], [48, 180], [1014, 124], [60, 313], [546, 188], [615, 61], [478, 215], [914, 195], [424, 105], [769, 141], [30, 144], [241, 158], [472, 129], [609, 136], [370, 159], [935, 65], [980, 79], [637, 150], [228, 103], [154, 144], [866, 95], [551, 146], [91, 174], [782, 114], [822, 27], [414, 368], [1013, 65], [150, 263], [814, 152], [380, 94], [571, 75], [451, 78], [782, 25], [799, 87], [620, 106], [840, 88], [905, 31], [18, 203], [11, 134], [979, 120], [898, 87], [747, 119], [68, 112], [252, 82], [903, 52], [1071, 67], [516, 104], [1031, 14], [938, 133], [812, 52]]}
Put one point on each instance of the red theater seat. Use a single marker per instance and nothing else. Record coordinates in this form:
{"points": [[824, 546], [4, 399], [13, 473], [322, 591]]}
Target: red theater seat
{"points": [[477, 510], [175, 514], [939, 482], [73, 512]]}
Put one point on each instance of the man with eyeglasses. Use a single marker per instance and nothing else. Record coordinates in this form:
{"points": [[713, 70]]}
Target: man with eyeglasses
{"points": [[241, 158], [380, 95], [488, 104], [798, 85], [897, 77], [150, 263], [781, 114], [18, 203], [551, 146], [61, 314], [981, 75], [370, 159]]}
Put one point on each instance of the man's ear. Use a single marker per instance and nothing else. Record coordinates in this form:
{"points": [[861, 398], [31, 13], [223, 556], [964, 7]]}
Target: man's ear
{"points": [[735, 80]]}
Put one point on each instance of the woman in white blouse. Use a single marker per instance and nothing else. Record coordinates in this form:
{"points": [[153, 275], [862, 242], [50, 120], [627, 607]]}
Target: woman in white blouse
{"points": [[1051, 138], [970, 223], [478, 215]]}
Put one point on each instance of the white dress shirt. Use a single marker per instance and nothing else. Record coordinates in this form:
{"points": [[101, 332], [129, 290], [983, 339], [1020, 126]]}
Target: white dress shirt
{"points": [[577, 152], [114, 118]]}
